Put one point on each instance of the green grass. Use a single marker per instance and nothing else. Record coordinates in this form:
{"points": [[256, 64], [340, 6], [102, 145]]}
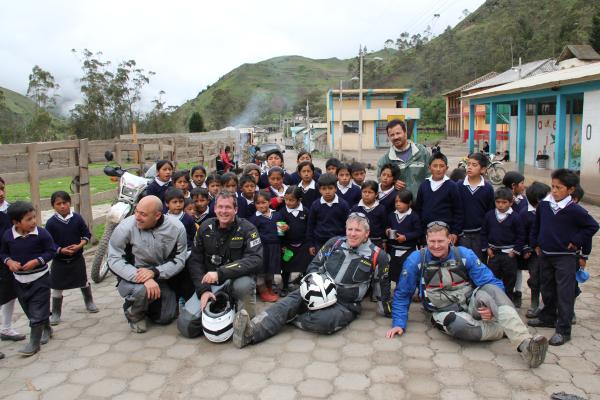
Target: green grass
{"points": [[20, 191]]}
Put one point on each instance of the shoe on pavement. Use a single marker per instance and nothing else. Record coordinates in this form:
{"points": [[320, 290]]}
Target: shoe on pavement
{"points": [[138, 326], [534, 350], [538, 323], [47, 333], [243, 328], [558, 339], [34, 341], [12, 335]]}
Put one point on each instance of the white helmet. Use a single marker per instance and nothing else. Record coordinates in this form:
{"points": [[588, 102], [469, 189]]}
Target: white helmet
{"points": [[217, 319], [318, 290]]}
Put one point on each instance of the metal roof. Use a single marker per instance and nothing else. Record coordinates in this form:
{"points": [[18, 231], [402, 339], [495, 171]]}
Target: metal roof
{"points": [[511, 75], [372, 91], [583, 52], [567, 76], [472, 83]]}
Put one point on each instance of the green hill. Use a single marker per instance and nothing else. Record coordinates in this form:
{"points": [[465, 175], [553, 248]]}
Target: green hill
{"points": [[18, 104]]}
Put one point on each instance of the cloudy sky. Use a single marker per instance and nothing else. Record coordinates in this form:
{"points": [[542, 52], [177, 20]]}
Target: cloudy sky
{"points": [[190, 44]]}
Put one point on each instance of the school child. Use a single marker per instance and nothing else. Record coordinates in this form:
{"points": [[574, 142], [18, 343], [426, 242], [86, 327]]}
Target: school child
{"points": [[213, 183], [181, 181], [327, 215], [561, 228], [406, 227], [331, 166], [387, 193], [265, 221], [68, 270], [310, 189], [274, 159], [254, 171], [458, 175], [277, 187], [7, 290], [294, 245], [477, 198], [535, 193], [198, 176], [162, 181], [175, 203], [303, 156], [189, 207], [229, 182], [438, 198], [246, 207], [373, 211], [514, 181], [358, 172], [503, 238], [345, 188], [26, 250], [201, 199], [577, 196]]}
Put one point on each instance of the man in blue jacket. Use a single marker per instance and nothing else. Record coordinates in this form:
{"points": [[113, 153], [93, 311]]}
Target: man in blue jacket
{"points": [[464, 298]]}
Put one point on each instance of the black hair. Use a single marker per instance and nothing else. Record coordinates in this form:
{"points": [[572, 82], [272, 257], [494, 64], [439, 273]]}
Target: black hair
{"points": [[228, 176], [341, 167], [173, 193], [273, 170], [480, 158], [512, 178], [196, 168], [302, 153], [395, 122], [275, 151], [438, 156], [567, 177], [333, 162], [213, 178], [374, 186], [2, 181], [199, 192], [162, 163], [227, 148], [295, 191], [503, 193], [393, 169], [60, 194], [263, 193], [536, 192], [245, 179], [357, 166], [405, 196], [327, 180], [187, 202], [18, 210], [180, 173], [304, 164], [578, 193], [458, 174]]}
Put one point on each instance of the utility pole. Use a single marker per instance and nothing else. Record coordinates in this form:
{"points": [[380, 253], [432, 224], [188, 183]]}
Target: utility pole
{"points": [[360, 105], [341, 122], [308, 129]]}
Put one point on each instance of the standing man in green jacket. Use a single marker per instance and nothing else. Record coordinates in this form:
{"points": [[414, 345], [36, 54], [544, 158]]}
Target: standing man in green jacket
{"points": [[411, 158]]}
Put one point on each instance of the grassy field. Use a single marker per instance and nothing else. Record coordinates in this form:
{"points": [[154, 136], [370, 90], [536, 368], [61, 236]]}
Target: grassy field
{"points": [[20, 191]]}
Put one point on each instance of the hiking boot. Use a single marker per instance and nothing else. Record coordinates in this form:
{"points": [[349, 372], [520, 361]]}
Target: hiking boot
{"points": [[538, 323], [138, 326], [47, 333], [534, 350], [56, 310], [88, 299], [243, 329], [12, 335], [533, 310], [558, 339], [34, 341]]}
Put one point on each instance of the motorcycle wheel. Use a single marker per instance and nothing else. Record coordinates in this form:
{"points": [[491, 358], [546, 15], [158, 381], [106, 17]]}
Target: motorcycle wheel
{"points": [[496, 174], [100, 265]]}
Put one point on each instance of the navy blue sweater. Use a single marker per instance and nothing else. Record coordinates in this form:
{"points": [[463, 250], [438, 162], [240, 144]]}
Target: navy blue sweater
{"points": [[352, 195], [507, 234], [377, 219], [159, 191], [245, 210], [410, 226], [520, 206], [475, 205], [389, 201], [325, 222], [309, 196], [442, 205], [4, 223], [528, 219], [267, 227], [200, 219], [296, 233], [30, 247], [553, 232], [67, 233]]}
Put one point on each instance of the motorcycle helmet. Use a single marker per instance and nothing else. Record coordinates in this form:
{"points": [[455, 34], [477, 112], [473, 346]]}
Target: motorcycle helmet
{"points": [[318, 290], [217, 319]]}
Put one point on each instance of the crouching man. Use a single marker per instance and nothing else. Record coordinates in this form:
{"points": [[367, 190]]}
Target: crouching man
{"points": [[466, 301], [146, 251], [344, 265]]}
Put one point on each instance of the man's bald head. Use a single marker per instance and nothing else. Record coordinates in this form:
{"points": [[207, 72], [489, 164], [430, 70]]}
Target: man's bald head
{"points": [[148, 211]]}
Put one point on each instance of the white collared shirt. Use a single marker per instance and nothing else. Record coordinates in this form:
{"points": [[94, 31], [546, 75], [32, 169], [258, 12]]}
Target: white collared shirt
{"points": [[519, 198], [18, 235], [64, 219], [366, 207], [334, 201], [473, 189], [248, 201], [295, 211], [530, 207], [279, 193], [258, 214], [557, 206], [29, 277], [344, 189], [435, 185], [384, 193], [160, 183], [194, 186], [4, 206], [502, 216], [311, 185], [400, 216]]}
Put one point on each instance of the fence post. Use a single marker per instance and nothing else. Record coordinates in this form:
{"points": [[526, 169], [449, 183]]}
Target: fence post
{"points": [[160, 151], [34, 180], [174, 153], [141, 158], [85, 198], [118, 153]]}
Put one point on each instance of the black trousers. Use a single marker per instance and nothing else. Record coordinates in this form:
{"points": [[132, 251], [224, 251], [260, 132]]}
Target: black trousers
{"points": [[472, 240], [558, 286], [505, 268], [533, 265], [34, 298], [396, 263]]}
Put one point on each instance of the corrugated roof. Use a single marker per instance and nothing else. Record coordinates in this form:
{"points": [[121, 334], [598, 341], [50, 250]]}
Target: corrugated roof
{"points": [[567, 76], [511, 75], [583, 52], [372, 91], [472, 83]]}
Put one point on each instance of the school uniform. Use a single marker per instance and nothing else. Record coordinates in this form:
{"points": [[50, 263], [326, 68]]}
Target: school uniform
{"points": [[158, 188], [519, 204], [476, 201], [263, 181], [533, 262], [267, 229], [276, 194], [208, 213], [295, 178], [409, 225], [246, 207], [310, 193], [377, 216], [294, 239], [387, 198], [326, 220], [7, 286], [504, 234], [68, 272], [194, 186], [556, 225], [33, 286], [351, 193], [189, 225], [440, 201]]}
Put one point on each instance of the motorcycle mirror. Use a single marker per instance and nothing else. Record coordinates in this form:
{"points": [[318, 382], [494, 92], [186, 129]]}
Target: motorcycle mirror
{"points": [[108, 155], [110, 171]]}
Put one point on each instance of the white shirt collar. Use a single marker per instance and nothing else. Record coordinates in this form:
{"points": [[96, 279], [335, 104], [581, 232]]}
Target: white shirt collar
{"points": [[311, 185], [17, 234], [558, 205], [334, 201], [519, 198], [258, 214], [194, 186], [481, 182], [4, 206], [205, 212], [295, 211], [392, 152], [279, 193], [530, 207], [367, 208], [343, 188], [404, 214], [248, 201], [435, 185], [383, 193], [64, 219], [502, 216], [160, 183]]}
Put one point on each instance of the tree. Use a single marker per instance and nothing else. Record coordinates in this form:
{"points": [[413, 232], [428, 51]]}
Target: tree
{"points": [[196, 123], [595, 33], [42, 88]]}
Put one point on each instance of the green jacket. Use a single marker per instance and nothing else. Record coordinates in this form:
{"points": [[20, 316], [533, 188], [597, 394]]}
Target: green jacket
{"points": [[414, 171]]}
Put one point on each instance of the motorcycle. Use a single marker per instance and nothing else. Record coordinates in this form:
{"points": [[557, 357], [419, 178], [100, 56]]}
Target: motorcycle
{"points": [[131, 190], [495, 171]]}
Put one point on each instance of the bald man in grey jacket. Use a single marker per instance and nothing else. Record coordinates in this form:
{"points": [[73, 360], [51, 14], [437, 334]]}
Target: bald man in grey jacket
{"points": [[147, 250]]}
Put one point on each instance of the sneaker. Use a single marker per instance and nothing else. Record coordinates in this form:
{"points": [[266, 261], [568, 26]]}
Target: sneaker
{"points": [[12, 335], [558, 339], [534, 350], [243, 328], [138, 326], [538, 323], [267, 296]]}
